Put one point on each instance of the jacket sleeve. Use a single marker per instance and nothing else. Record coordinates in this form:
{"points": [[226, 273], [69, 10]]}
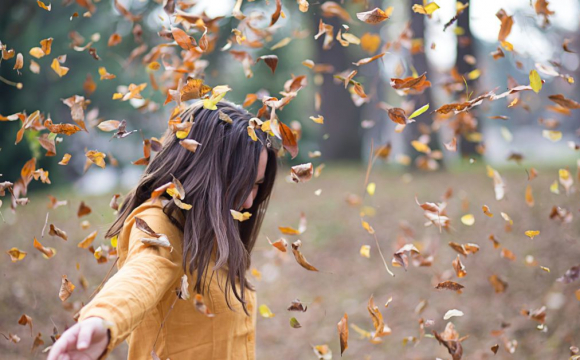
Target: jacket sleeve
{"points": [[146, 275]]}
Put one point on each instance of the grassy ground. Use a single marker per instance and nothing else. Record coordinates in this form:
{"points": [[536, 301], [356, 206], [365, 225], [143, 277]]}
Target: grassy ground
{"points": [[346, 280]]}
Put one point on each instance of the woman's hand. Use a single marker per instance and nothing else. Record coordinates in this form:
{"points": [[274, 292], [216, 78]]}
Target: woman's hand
{"points": [[86, 340]]}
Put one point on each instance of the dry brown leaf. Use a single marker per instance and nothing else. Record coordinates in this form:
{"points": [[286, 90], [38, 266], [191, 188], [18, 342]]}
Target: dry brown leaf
{"points": [[300, 258]]}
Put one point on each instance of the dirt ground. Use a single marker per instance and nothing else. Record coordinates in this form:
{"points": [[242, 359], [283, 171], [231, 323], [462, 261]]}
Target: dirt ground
{"points": [[346, 280]]}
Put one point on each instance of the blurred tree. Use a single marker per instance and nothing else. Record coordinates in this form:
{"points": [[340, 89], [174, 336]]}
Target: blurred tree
{"points": [[342, 123], [464, 51]]}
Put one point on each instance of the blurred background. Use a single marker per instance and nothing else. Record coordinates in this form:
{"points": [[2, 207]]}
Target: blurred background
{"points": [[524, 138]]}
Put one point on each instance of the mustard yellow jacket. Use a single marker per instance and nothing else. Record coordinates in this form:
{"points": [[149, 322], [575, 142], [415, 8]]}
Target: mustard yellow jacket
{"points": [[139, 296]]}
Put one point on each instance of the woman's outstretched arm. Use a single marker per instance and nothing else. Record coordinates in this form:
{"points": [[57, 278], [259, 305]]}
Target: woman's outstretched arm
{"points": [[147, 274]]}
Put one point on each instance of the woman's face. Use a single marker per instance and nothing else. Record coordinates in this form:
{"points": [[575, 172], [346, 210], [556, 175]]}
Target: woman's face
{"points": [[259, 179]]}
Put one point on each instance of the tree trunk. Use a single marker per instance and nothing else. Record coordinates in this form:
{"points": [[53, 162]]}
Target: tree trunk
{"points": [[341, 117]]}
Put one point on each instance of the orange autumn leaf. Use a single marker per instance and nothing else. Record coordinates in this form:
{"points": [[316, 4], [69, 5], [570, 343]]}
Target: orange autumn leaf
{"points": [[47, 252], [279, 244], [66, 289], [300, 257], [59, 70], [343, 333], [375, 16], [506, 24], [411, 85], [16, 254], [449, 285]]}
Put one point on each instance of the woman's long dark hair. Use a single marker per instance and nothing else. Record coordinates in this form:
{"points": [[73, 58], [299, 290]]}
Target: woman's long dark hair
{"points": [[218, 177]]}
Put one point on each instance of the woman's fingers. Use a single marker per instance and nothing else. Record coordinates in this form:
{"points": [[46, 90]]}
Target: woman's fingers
{"points": [[63, 343], [85, 335]]}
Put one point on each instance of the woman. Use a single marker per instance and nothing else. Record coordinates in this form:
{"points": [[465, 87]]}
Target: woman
{"points": [[147, 302]]}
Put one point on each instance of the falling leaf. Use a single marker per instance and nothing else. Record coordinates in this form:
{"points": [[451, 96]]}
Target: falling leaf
{"points": [[459, 268], [529, 196], [318, 120], [449, 285], [300, 258], [265, 311], [468, 219], [323, 352], [270, 60], [189, 144], [201, 306], [16, 254], [419, 111], [54, 231], [240, 216], [375, 16], [343, 333], [552, 135], [498, 284], [486, 210], [96, 157], [451, 313], [535, 81], [294, 323], [532, 233], [381, 329], [368, 60], [279, 244], [43, 5], [66, 289], [47, 252], [365, 250], [427, 9], [86, 242], [411, 85], [570, 276], [59, 70], [302, 172], [506, 24], [370, 42]]}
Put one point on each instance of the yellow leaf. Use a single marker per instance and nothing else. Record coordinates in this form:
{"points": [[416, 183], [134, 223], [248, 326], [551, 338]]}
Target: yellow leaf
{"points": [[468, 219], [154, 66], [507, 45], [43, 5], [474, 74], [252, 133], [114, 241], [367, 227], [281, 43], [16, 254], [371, 187], [318, 120], [97, 157], [36, 52], [425, 10], [59, 70], [535, 81], [256, 273], [420, 147], [211, 103], [239, 215], [365, 251], [554, 187], [552, 135], [532, 233], [181, 134], [265, 311]]}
